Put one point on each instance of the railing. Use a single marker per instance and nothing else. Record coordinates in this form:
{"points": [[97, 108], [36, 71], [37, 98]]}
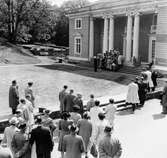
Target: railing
{"points": [[153, 29]]}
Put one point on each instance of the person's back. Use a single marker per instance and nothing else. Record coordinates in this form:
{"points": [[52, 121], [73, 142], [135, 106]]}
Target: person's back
{"points": [[91, 102], [68, 102], [19, 140], [73, 146], [42, 136], [132, 95], [110, 113], [75, 117], [85, 130], [149, 79], [8, 135], [5, 153], [109, 146], [94, 111]]}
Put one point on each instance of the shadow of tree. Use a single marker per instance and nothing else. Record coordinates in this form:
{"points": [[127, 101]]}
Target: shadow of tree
{"points": [[89, 72]]}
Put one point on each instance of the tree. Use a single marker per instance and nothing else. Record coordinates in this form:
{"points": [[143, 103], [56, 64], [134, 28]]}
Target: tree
{"points": [[21, 17], [73, 5], [61, 29]]}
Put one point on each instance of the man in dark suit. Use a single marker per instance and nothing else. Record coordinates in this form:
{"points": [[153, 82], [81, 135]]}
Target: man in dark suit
{"points": [[42, 137], [62, 96], [95, 63], [69, 101], [13, 96]]}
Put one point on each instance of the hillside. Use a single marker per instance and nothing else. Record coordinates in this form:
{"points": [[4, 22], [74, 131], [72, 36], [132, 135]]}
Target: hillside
{"points": [[13, 54]]}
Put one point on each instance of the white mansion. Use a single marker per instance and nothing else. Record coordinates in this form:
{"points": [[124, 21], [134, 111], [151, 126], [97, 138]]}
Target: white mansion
{"points": [[137, 28]]}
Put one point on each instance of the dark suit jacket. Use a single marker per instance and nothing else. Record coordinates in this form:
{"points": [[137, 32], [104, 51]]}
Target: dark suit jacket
{"points": [[42, 136], [69, 102], [13, 97]]}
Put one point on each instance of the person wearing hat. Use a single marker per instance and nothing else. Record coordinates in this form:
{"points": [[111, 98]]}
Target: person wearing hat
{"points": [[109, 147], [64, 124], [73, 144], [13, 96], [29, 91], [9, 133], [42, 137], [85, 130], [75, 116], [62, 96], [20, 143]]}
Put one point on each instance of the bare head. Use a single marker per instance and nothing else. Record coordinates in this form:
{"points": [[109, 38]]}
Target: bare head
{"points": [[97, 103], [14, 82], [71, 91], [111, 101], [92, 96], [65, 87], [30, 84]]}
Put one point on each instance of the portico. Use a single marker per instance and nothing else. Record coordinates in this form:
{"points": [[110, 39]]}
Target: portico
{"points": [[124, 25], [128, 26]]}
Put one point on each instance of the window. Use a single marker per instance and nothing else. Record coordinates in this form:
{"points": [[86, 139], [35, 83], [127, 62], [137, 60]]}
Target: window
{"points": [[77, 45], [78, 23]]}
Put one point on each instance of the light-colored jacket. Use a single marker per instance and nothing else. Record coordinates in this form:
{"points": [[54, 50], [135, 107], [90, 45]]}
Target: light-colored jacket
{"points": [[8, 135], [132, 95], [110, 113], [149, 79], [98, 131], [94, 114], [109, 147]]}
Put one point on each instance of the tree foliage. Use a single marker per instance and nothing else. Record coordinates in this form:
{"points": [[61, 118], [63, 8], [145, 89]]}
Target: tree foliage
{"points": [[36, 20]]}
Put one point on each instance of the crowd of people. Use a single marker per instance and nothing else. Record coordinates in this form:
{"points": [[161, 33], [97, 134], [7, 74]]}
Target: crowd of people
{"points": [[89, 130], [111, 60], [82, 130], [26, 137]]}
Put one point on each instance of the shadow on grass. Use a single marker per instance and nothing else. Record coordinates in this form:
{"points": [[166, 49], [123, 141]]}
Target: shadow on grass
{"points": [[89, 72]]}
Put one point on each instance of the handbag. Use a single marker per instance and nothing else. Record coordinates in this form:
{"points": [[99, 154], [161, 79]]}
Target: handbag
{"points": [[93, 151]]}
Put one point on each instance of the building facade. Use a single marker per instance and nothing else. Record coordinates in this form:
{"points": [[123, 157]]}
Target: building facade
{"points": [[137, 28]]}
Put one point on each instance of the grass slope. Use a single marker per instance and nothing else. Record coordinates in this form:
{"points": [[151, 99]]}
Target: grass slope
{"points": [[13, 54]]}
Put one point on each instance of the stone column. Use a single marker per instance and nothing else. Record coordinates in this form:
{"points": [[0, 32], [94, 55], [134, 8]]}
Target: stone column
{"points": [[129, 37], [136, 36], [91, 39], [111, 33], [105, 37]]}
